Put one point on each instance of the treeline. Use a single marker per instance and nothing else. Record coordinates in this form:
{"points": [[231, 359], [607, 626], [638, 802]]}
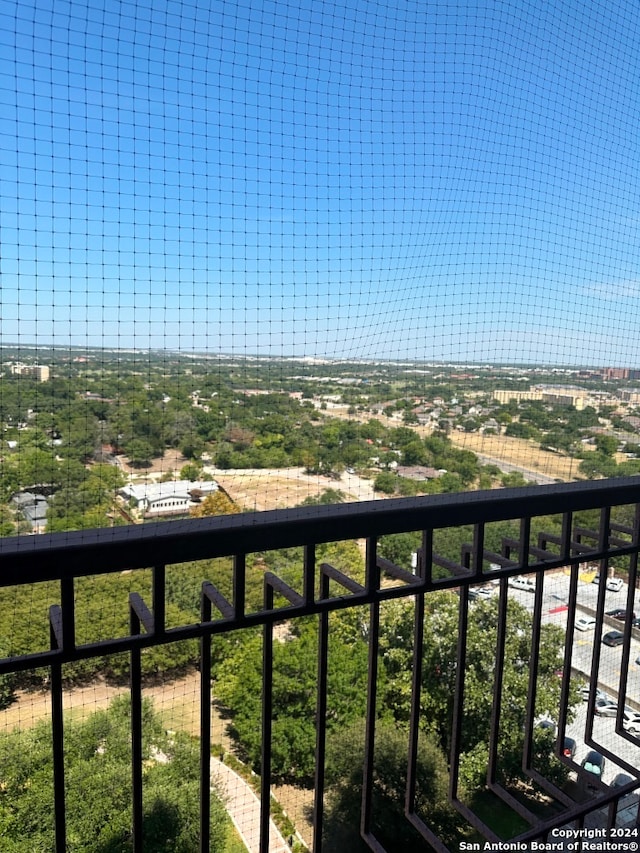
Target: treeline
{"points": [[98, 793]]}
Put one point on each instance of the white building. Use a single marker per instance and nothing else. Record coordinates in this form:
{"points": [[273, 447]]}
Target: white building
{"points": [[155, 500]]}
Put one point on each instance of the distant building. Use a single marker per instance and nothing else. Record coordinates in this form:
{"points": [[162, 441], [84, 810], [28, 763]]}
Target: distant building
{"points": [[155, 500], [418, 472], [631, 396], [518, 396], [33, 508], [41, 372], [555, 395]]}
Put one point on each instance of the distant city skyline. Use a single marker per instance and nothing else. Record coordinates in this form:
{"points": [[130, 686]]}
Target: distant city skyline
{"points": [[445, 181]]}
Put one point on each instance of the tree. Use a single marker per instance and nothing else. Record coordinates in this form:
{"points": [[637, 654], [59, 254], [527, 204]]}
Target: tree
{"points": [[345, 762], [385, 482], [98, 787], [439, 670], [238, 685], [140, 452], [328, 496], [606, 444], [218, 503]]}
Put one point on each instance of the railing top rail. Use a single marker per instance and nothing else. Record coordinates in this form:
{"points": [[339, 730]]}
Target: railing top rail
{"points": [[27, 559]]}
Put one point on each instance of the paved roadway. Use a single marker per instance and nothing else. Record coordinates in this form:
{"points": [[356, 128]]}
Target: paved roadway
{"points": [[510, 468], [243, 805], [555, 597]]}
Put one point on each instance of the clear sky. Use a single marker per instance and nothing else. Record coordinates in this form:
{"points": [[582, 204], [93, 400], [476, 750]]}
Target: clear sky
{"points": [[442, 180]]}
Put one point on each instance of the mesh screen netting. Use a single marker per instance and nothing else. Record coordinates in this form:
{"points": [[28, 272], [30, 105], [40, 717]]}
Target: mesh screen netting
{"points": [[256, 254], [228, 226]]}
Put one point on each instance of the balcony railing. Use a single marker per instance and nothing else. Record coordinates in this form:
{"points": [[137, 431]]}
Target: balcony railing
{"points": [[610, 536]]}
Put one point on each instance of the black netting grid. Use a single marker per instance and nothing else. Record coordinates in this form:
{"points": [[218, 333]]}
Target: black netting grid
{"points": [[203, 202]]}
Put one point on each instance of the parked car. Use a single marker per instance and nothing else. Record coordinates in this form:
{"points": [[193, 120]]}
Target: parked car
{"points": [[613, 638], [482, 593], [547, 725], [585, 623], [569, 747], [606, 708], [593, 764], [613, 584], [620, 613], [631, 721], [621, 779], [600, 694], [519, 582]]}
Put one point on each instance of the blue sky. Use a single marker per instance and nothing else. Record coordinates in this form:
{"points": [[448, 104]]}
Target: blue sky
{"points": [[451, 180]]}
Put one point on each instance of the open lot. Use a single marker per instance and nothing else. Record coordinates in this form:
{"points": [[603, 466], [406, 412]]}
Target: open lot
{"points": [[519, 452], [278, 488]]}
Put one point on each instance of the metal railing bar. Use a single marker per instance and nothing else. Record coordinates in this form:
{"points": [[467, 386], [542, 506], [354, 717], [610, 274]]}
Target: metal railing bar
{"points": [[515, 805], [339, 577], [372, 843], [144, 615], [24, 559], [67, 601], [576, 812], [239, 584], [158, 598], [267, 722], [534, 661], [501, 561], [457, 569], [207, 598], [55, 624], [472, 818], [414, 716], [372, 574], [575, 547], [501, 635], [567, 543], [603, 536], [279, 586], [458, 698], [542, 554], [215, 597], [259, 618], [429, 836], [566, 664], [321, 716], [370, 726], [135, 687], [57, 734], [309, 574], [397, 572]]}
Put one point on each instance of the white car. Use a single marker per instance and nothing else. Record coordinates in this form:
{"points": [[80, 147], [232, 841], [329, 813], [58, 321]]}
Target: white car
{"points": [[519, 582], [614, 584], [585, 623], [631, 721]]}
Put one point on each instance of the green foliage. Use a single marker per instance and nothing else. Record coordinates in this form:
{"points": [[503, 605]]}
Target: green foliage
{"points": [[344, 775], [606, 444], [98, 787], [238, 680], [439, 674], [399, 547], [328, 496], [385, 482]]}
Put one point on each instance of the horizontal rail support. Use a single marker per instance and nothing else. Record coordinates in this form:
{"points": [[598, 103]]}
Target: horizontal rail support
{"points": [[78, 553]]}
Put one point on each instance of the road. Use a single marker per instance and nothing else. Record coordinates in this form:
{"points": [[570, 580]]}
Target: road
{"points": [[555, 597], [509, 468]]}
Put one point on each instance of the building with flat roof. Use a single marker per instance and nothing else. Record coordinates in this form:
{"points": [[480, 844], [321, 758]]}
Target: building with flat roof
{"points": [[156, 500]]}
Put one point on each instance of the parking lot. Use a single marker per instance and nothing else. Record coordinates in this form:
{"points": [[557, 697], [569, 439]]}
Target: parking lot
{"points": [[607, 675]]}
